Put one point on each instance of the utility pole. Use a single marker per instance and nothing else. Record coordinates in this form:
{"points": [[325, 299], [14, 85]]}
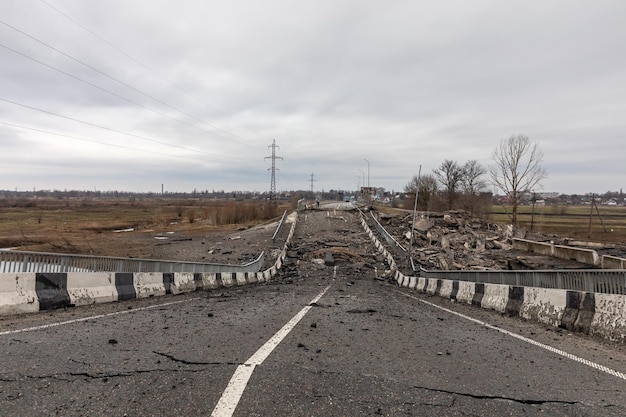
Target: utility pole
{"points": [[369, 190], [273, 169], [312, 181], [532, 216], [417, 189]]}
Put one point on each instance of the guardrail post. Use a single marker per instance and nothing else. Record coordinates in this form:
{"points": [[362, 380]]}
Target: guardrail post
{"points": [[589, 283], [64, 264]]}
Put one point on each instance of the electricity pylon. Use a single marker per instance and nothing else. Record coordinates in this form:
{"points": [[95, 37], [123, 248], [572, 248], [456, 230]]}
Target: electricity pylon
{"points": [[273, 169]]}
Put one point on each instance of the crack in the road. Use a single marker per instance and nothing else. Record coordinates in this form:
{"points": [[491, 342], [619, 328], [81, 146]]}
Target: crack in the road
{"points": [[97, 375], [186, 362], [497, 397], [465, 394], [103, 375]]}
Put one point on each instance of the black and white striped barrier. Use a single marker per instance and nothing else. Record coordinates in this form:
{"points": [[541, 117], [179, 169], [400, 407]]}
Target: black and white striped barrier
{"points": [[33, 292], [598, 314]]}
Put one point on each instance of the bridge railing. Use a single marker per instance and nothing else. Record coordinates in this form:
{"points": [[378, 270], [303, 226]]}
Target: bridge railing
{"points": [[385, 234], [600, 281], [21, 261]]}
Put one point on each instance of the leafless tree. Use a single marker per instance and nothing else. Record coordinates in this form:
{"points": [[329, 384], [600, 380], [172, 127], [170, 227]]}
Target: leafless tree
{"points": [[472, 181], [449, 174], [517, 168], [427, 186], [473, 184]]}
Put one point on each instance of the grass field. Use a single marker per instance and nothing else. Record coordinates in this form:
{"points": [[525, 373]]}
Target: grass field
{"points": [[570, 221], [81, 225]]}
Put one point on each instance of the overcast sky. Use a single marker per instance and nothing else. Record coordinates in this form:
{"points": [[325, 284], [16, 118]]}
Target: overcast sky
{"points": [[129, 95]]}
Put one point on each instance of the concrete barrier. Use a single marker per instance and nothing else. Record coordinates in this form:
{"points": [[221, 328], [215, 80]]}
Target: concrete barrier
{"points": [[184, 282], [515, 300], [544, 305], [465, 294], [613, 262], [584, 256], [149, 284], [18, 294], [495, 297], [532, 246], [51, 289], [431, 287], [609, 320], [411, 282], [445, 288], [90, 288]]}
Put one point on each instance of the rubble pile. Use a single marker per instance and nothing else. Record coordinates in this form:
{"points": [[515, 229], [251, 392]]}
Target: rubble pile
{"points": [[454, 240]]}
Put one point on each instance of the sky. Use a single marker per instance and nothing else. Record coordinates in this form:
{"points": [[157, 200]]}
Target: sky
{"points": [[191, 94]]}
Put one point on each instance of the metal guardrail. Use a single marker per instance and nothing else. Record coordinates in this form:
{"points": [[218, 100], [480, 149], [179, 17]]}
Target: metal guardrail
{"points": [[600, 281], [279, 227], [390, 240], [19, 261]]}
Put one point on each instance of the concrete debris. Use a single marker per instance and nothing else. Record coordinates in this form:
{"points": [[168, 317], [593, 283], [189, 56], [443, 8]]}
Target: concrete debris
{"points": [[454, 240], [329, 260], [423, 225]]}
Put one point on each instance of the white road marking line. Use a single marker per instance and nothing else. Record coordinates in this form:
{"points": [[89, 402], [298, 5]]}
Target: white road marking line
{"points": [[560, 352], [234, 390], [99, 316]]}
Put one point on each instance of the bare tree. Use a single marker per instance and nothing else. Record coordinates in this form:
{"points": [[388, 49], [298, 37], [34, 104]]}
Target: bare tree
{"points": [[412, 185], [427, 186], [449, 174], [473, 182], [518, 168]]}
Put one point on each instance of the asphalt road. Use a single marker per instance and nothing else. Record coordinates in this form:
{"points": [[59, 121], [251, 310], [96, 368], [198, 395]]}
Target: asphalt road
{"points": [[317, 341]]}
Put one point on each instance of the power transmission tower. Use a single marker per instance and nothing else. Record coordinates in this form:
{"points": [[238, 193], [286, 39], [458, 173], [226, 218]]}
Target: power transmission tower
{"points": [[312, 181], [273, 169]]}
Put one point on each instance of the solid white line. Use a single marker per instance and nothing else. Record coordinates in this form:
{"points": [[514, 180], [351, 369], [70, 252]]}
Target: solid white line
{"points": [[99, 316], [560, 352], [234, 390]]}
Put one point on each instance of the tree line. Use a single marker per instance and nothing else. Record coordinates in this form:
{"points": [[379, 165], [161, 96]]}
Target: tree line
{"points": [[517, 169]]}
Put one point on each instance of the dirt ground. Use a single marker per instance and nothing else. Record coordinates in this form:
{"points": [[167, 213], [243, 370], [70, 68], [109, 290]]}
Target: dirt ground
{"points": [[234, 245]]}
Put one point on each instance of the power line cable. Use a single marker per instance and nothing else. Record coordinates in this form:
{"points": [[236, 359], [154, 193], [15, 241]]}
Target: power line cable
{"points": [[111, 77], [105, 128], [34, 129], [137, 61], [107, 91]]}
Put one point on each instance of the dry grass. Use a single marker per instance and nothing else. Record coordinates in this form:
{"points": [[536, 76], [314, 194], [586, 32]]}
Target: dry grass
{"points": [[570, 221], [87, 225]]}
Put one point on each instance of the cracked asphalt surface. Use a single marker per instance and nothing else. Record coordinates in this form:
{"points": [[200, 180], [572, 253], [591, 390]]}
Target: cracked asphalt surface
{"points": [[366, 348]]}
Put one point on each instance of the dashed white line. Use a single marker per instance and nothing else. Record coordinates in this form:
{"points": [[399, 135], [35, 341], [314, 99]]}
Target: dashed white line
{"points": [[527, 340], [99, 316], [234, 390]]}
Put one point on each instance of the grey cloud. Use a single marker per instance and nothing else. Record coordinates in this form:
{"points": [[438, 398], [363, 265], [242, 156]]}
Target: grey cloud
{"points": [[402, 84]]}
